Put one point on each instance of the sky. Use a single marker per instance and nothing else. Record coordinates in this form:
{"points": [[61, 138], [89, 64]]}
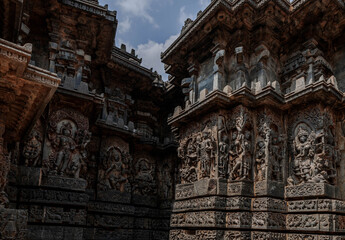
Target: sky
{"points": [[151, 26]]}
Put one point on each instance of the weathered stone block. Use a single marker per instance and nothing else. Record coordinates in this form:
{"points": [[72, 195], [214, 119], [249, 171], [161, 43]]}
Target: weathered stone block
{"points": [[268, 236], [204, 203], [109, 221], [312, 222], [207, 187], [29, 176], [145, 200], [269, 188], [58, 182], [53, 197], [54, 233], [114, 196], [238, 203], [203, 94], [269, 205], [13, 224], [198, 219], [237, 235], [239, 220], [310, 190], [114, 208], [243, 188], [268, 221]]}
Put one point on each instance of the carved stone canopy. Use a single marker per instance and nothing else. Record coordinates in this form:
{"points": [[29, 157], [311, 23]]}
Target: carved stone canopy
{"points": [[25, 89]]}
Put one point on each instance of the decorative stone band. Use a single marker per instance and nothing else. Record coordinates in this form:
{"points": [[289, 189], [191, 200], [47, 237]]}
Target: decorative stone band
{"points": [[310, 190], [246, 235], [42, 76], [92, 8], [16, 55]]}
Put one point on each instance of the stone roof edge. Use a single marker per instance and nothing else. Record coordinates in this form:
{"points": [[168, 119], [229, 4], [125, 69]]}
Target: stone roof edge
{"points": [[132, 65], [289, 7], [91, 8]]}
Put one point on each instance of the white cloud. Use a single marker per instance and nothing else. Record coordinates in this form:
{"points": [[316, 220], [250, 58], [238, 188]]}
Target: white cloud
{"points": [[204, 3], [151, 52], [184, 15], [138, 8], [125, 25]]}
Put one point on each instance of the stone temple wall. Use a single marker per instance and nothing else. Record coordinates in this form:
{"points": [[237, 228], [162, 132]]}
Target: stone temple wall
{"points": [[245, 141], [261, 127], [86, 152]]}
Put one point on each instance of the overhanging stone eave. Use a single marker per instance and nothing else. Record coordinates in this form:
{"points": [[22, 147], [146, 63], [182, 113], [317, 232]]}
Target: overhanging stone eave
{"points": [[316, 92], [132, 66], [82, 96], [208, 13], [195, 26], [16, 69], [297, 5], [220, 100]]}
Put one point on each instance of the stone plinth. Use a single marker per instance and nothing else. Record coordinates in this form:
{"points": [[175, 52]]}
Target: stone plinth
{"points": [[242, 188]]}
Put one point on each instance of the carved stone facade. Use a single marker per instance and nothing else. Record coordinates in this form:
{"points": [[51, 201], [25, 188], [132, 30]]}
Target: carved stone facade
{"points": [[83, 155], [263, 75], [256, 143]]}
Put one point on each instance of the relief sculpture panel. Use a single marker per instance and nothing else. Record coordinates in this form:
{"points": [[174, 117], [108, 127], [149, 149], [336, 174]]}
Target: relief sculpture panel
{"points": [[313, 149], [198, 152], [241, 145], [65, 148], [114, 171]]}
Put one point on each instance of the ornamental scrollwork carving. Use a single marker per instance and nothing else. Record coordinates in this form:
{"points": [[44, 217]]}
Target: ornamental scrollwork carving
{"points": [[114, 171], [68, 137]]}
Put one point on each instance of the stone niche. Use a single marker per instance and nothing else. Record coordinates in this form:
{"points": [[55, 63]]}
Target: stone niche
{"points": [[114, 172], [65, 152]]}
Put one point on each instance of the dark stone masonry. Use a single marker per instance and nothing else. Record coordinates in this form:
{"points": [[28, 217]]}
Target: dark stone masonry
{"points": [[246, 141]]}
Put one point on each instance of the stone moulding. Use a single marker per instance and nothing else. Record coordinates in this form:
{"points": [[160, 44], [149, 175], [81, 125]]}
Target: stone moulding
{"points": [[91, 8], [41, 76]]}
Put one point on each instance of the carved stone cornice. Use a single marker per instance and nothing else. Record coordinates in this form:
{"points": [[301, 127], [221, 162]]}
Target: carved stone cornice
{"points": [[25, 89], [232, 6], [91, 7]]}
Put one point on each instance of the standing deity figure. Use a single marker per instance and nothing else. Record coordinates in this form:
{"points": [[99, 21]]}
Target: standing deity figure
{"points": [[65, 145], [224, 157], [236, 153], [188, 153], [277, 157], [111, 176], [247, 157], [145, 183], [240, 150], [206, 154], [32, 149], [260, 161], [304, 144]]}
